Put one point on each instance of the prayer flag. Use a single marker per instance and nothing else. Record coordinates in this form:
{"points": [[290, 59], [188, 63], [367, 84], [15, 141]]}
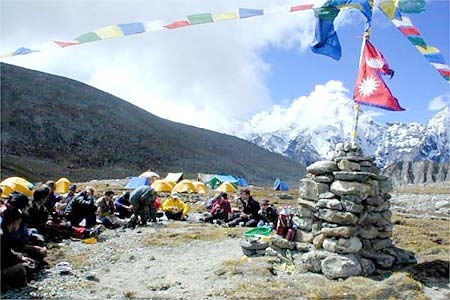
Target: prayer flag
{"points": [[370, 88]]}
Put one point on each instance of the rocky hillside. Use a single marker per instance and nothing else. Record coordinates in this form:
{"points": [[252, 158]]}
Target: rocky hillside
{"points": [[418, 172], [393, 144], [54, 126]]}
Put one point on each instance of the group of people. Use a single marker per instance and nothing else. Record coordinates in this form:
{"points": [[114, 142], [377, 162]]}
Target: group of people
{"points": [[26, 224], [247, 212]]}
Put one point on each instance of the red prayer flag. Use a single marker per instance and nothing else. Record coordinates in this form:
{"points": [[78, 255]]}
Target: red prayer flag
{"points": [[409, 31], [370, 88], [177, 24], [301, 7], [64, 44]]}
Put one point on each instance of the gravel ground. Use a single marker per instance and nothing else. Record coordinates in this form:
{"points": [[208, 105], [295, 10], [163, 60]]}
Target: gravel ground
{"points": [[121, 266], [422, 205], [125, 265]]}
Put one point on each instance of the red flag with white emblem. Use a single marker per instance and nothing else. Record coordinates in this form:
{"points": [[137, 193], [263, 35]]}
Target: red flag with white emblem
{"points": [[370, 88]]}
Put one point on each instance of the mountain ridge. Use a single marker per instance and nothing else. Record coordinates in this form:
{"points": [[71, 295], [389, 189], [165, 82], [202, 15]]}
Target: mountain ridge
{"points": [[54, 126]]}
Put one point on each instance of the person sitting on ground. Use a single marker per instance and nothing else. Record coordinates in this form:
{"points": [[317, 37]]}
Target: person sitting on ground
{"points": [[26, 240], [123, 206], [268, 215], [37, 213], [15, 267], [175, 208], [61, 205], [52, 198], [105, 209], [143, 201], [249, 216], [220, 209], [209, 204], [82, 207]]}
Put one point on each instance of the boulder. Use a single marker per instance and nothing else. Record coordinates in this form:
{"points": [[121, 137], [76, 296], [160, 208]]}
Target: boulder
{"points": [[304, 236], [402, 256], [368, 232], [307, 204], [282, 243], [343, 231], [367, 266], [303, 247], [324, 179], [312, 260], [340, 188], [318, 241], [327, 195], [353, 176], [309, 189], [346, 165], [337, 217], [378, 244], [342, 245], [341, 266], [381, 260], [334, 204], [322, 167], [352, 207]]}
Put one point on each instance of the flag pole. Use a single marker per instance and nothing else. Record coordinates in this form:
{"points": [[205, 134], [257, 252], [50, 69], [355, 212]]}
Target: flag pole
{"points": [[357, 107]]}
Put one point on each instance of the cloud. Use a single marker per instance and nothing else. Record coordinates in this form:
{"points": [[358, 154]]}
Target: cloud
{"points": [[439, 102], [204, 75], [327, 104]]}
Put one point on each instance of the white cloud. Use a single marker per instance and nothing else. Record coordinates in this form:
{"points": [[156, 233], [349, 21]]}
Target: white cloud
{"points": [[327, 104], [204, 75], [439, 102]]}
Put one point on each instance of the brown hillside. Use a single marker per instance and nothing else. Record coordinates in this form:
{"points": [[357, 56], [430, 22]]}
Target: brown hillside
{"points": [[54, 126]]}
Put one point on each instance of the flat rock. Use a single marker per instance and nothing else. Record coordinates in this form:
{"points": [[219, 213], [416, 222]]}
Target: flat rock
{"points": [[340, 188], [313, 259], [342, 245], [343, 231], [346, 165], [334, 204], [353, 176], [337, 217], [322, 167], [341, 266]]}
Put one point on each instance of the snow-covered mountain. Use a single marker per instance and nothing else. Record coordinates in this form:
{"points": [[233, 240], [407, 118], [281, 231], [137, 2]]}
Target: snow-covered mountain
{"points": [[306, 135]]}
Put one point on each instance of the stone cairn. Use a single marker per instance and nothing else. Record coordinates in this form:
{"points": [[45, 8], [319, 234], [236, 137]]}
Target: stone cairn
{"points": [[343, 220]]}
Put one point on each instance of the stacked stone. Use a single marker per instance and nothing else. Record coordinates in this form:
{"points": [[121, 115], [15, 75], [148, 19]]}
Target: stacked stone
{"points": [[344, 213]]}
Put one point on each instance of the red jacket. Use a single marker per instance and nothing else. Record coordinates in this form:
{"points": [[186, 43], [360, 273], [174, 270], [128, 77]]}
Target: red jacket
{"points": [[223, 205]]}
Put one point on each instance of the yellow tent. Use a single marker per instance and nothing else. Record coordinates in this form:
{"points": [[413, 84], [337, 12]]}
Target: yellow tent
{"points": [[171, 183], [184, 186], [152, 176], [227, 188], [17, 184], [161, 186], [200, 187], [62, 186]]}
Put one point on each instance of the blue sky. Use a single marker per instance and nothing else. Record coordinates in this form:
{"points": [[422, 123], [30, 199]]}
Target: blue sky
{"points": [[217, 75], [414, 84]]}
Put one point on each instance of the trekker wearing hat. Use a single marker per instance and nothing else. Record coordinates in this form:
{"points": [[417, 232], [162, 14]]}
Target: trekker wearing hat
{"points": [[249, 215], [175, 208], [143, 201]]}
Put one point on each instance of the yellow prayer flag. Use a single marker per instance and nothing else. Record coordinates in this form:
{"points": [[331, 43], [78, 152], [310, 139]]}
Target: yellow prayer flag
{"points": [[109, 32], [225, 16], [427, 49]]}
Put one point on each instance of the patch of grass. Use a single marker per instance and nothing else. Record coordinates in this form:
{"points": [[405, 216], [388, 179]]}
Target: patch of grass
{"points": [[429, 239], [398, 286], [188, 233]]}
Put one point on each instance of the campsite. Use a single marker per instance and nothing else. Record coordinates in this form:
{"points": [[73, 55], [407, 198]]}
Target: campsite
{"points": [[190, 260], [257, 149]]}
